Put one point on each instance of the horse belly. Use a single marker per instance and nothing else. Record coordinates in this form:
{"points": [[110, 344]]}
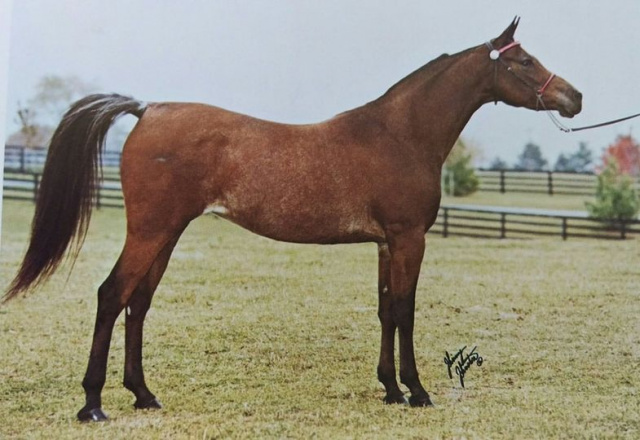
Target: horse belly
{"points": [[318, 223]]}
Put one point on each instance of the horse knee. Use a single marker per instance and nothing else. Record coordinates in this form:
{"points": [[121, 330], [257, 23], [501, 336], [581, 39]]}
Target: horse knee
{"points": [[409, 377]]}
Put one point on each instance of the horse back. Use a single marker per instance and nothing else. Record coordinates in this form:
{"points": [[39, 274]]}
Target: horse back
{"points": [[330, 182]]}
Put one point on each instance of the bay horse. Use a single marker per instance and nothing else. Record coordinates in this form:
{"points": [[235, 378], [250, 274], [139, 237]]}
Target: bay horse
{"points": [[371, 174]]}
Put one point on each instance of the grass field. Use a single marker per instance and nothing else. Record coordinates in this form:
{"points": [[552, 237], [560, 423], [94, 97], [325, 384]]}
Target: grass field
{"points": [[520, 200], [251, 338]]}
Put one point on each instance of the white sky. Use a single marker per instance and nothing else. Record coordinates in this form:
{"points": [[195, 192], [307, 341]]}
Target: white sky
{"points": [[305, 61]]}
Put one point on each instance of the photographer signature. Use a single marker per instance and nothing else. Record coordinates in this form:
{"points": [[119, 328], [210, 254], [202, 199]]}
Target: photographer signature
{"points": [[464, 362]]}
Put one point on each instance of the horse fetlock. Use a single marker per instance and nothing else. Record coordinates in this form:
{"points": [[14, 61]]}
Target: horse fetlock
{"points": [[145, 399], [387, 375], [411, 380], [93, 388]]}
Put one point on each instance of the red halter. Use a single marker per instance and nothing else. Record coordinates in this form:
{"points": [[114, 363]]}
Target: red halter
{"points": [[544, 86], [494, 54]]}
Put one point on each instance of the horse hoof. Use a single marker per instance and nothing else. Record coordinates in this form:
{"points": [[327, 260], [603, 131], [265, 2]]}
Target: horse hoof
{"points": [[152, 403], [92, 415], [400, 399], [419, 401]]}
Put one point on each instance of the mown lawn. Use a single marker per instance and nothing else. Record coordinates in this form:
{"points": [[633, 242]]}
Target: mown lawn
{"points": [[251, 338], [522, 200]]}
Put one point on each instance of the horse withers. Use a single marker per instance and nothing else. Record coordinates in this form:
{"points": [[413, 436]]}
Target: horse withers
{"points": [[371, 174]]}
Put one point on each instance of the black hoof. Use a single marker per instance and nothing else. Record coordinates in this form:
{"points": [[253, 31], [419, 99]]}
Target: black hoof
{"points": [[420, 400], [397, 399], [92, 415], [152, 403]]}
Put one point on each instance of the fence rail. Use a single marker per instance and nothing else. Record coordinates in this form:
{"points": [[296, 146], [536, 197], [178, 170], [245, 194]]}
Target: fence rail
{"points": [[540, 182], [500, 222], [24, 186], [459, 220], [24, 160], [31, 159]]}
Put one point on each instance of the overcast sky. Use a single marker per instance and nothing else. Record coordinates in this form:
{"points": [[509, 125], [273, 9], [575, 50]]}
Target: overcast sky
{"points": [[305, 61]]}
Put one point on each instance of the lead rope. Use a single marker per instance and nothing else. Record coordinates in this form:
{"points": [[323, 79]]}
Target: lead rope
{"points": [[494, 54], [566, 129]]}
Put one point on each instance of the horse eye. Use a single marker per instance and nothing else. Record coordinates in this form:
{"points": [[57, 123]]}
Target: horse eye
{"points": [[527, 62]]}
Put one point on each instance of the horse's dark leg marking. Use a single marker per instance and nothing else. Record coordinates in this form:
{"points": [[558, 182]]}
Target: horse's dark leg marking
{"points": [[386, 365], [133, 264], [93, 382], [407, 251], [134, 322]]}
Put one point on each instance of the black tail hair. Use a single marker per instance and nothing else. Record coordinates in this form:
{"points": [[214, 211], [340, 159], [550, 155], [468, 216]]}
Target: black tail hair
{"points": [[68, 185]]}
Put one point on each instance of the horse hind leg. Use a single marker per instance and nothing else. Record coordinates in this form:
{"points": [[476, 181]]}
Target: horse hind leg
{"points": [[134, 322], [114, 294]]}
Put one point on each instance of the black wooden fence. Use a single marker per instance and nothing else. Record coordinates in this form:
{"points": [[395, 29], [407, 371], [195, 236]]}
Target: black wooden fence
{"points": [[539, 182], [24, 186], [502, 222], [459, 220], [23, 160]]}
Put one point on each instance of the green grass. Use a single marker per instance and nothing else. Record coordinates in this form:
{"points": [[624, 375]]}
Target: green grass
{"points": [[520, 200], [251, 338]]}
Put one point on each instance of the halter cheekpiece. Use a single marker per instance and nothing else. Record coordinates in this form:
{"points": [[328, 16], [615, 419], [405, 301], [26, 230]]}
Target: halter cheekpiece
{"points": [[495, 55]]}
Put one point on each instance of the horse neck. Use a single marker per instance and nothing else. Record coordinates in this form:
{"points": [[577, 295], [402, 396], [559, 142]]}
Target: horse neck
{"points": [[429, 109]]}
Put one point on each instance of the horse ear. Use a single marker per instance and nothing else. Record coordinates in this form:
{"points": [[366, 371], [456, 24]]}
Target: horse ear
{"points": [[507, 35]]}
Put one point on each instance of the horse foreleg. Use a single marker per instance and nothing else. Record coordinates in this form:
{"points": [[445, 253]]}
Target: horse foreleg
{"points": [[386, 365], [134, 262], [134, 322], [407, 251]]}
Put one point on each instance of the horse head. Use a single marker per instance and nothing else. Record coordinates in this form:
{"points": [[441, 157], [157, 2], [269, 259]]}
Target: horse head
{"points": [[520, 80]]}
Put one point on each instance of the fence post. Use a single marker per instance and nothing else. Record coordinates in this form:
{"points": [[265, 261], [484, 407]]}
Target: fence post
{"points": [[36, 186], [550, 182], [503, 225], [502, 182], [445, 227], [565, 233], [23, 159], [98, 205]]}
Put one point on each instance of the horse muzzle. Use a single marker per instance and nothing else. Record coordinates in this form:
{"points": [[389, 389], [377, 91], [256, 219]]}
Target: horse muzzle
{"points": [[568, 101]]}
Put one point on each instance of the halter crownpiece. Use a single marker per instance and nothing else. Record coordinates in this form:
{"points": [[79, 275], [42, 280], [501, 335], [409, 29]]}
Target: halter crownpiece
{"points": [[495, 53]]}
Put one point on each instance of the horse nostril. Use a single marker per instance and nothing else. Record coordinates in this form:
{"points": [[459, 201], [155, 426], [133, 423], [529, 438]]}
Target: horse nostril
{"points": [[577, 95]]}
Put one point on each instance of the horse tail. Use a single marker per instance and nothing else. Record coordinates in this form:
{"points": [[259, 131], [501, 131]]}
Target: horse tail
{"points": [[68, 186]]}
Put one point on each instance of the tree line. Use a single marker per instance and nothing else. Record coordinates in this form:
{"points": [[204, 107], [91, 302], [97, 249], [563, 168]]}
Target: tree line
{"points": [[532, 159]]}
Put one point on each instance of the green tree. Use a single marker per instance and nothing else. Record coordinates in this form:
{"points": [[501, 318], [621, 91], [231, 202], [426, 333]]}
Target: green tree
{"points": [[459, 175], [498, 164], [578, 162], [531, 159], [616, 198]]}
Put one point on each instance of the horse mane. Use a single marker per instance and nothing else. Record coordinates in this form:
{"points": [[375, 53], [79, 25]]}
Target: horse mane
{"points": [[426, 73]]}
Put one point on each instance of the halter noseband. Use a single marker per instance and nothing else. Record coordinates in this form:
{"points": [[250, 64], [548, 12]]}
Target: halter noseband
{"points": [[495, 55]]}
